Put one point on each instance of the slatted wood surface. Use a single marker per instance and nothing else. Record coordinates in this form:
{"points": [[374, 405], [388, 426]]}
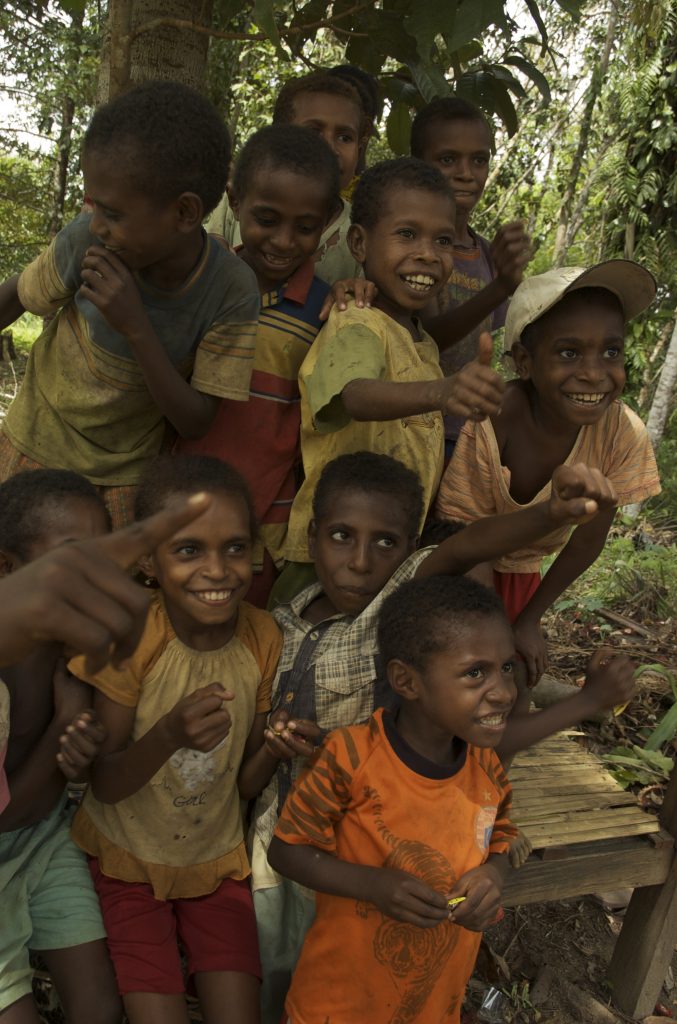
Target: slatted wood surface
{"points": [[563, 794]]}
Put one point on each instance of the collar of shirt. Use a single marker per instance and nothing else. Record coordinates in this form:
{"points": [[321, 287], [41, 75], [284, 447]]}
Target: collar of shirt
{"points": [[294, 290]]}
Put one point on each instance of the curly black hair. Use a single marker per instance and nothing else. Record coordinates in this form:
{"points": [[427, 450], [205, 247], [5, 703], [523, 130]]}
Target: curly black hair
{"points": [[445, 108], [372, 474], [422, 617], [287, 147], [366, 85], [170, 475], [170, 137], [404, 172], [26, 497], [316, 82]]}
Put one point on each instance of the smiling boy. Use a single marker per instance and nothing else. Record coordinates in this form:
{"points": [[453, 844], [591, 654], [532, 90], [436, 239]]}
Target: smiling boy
{"points": [[372, 380], [566, 332]]}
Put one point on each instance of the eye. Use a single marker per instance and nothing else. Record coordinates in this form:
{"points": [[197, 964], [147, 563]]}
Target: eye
{"points": [[385, 542], [446, 160], [339, 535], [240, 547], [567, 353], [445, 241], [110, 214], [405, 232], [508, 668], [186, 550], [614, 352], [481, 161], [476, 672], [265, 222], [346, 138]]}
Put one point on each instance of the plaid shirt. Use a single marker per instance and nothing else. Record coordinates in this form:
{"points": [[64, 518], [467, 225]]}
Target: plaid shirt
{"points": [[329, 673]]}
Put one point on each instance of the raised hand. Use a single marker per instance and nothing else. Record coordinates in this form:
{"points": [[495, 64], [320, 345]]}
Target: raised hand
{"points": [[476, 391], [80, 744], [364, 292], [610, 680], [199, 721], [109, 285], [579, 492], [287, 737], [511, 251]]}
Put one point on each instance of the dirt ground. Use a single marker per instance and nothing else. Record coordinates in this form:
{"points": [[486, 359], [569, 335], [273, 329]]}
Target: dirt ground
{"points": [[537, 952]]}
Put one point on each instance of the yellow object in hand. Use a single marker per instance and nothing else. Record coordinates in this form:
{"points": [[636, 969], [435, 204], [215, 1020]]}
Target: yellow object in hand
{"points": [[455, 901]]}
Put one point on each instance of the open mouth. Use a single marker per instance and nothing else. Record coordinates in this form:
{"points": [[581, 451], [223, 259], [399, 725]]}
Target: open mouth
{"points": [[281, 262], [585, 398], [496, 721], [419, 282], [212, 596]]}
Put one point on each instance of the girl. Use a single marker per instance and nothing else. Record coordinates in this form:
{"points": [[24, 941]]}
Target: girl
{"points": [[162, 821]]}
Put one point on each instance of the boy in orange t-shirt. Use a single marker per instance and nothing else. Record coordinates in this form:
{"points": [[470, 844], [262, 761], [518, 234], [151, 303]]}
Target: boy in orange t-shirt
{"points": [[402, 825]]}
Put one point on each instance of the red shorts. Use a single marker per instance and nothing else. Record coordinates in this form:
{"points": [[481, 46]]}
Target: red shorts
{"points": [[216, 932], [515, 590]]}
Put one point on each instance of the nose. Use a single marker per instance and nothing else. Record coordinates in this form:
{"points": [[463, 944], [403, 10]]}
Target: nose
{"points": [[215, 567], [503, 690], [463, 168], [360, 560], [426, 250], [283, 238], [591, 369], [97, 225]]}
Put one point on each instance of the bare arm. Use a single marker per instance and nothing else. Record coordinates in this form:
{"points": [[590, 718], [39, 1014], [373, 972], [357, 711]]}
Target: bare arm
{"points": [[270, 741], [109, 285], [455, 324], [36, 785], [10, 304]]}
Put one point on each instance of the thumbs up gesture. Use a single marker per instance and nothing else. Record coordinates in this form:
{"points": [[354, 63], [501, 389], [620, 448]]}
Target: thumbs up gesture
{"points": [[474, 392]]}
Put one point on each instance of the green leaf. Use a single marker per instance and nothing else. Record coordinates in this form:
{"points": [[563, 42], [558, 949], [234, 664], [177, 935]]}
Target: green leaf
{"points": [[532, 72], [424, 24], [572, 7], [664, 731], [471, 19], [264, 16], [536, 15], [430, 81], [398, 128]]}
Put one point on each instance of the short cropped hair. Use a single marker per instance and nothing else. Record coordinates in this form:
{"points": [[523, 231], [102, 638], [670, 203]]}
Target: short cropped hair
{"points": [[404, 172], [423, 617], [586, 296], [371, 474], [315, 82], [445, 108], [171, 475], [366, 85], [24, 499], [287, 147], [171, 138], [436, 531]]}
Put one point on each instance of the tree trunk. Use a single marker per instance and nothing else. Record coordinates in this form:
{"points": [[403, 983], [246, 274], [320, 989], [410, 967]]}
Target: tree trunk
{"points": [[594, 89], [132, 55], [63, 146]]}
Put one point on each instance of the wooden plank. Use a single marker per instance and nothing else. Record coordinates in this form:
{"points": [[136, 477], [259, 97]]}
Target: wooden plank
{"points": [[581, 799], [617, 863], [615, 814], [644, 947], [569, 836]]}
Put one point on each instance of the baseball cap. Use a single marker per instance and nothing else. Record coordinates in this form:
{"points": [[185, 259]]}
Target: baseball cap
{"points": [[633, 286]]}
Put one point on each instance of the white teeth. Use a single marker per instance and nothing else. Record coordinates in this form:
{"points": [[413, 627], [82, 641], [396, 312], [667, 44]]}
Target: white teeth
{"points": [[493, 720], [420, 282], [280, 261], [213, 595], [586, 398]]}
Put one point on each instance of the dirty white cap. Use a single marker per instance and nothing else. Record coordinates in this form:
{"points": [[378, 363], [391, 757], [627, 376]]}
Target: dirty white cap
{"points": [[633, 286]]}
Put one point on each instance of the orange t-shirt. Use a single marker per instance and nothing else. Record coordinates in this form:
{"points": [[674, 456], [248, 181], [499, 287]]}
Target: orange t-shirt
{"points": [[361, 801]]}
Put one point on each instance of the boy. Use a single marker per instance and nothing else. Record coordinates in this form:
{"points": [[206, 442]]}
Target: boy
{"points": [[398, 818], [284, 188], [372, 379], [156, 320], [331, 107], [454, 136], [47, 901], [565, 330], [363, 538]]}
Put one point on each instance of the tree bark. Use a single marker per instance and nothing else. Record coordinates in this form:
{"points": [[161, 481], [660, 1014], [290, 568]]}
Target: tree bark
{"points": [[131, 55], [594, 89]]}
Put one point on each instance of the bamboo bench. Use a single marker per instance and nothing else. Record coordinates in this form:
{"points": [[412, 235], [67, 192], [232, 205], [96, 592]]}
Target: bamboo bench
{"points": [[590, 835]]}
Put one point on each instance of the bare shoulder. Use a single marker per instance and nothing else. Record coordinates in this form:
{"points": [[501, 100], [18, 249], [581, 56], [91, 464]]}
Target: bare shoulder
{"points": [[513, 412]]}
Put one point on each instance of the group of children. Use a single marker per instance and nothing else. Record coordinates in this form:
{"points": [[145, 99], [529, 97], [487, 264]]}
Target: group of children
{"points": [[315, 799]]}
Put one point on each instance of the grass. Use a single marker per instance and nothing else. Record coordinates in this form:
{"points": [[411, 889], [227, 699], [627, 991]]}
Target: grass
{"points": [[25, 330]]}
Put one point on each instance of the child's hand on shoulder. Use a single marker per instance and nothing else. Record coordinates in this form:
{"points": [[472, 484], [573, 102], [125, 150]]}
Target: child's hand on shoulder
{"points": [[287, 737], [476, 391], [609, 680], [578, 493], [406, 898], [79, 744], [364, 293], [71, 695], [109, 285], [199, 721], [482, 887], [511, 250]]}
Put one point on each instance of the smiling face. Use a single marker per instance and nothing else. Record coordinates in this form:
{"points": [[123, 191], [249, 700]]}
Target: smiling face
{"points": [[141, 231], [575, 360], [337, 119], [358, 546], [461, 150], [465, 690], [282, 216], [408, 252], [204, 572]]}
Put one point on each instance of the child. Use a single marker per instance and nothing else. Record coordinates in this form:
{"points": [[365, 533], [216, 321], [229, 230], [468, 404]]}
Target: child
{"points": [[184, 716], [156, 320], [398, 818], [47, 901], [565, 330], [372, 379], [284, 189], [372, 107], [332, 108], [363, 538], [454, 136]]}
